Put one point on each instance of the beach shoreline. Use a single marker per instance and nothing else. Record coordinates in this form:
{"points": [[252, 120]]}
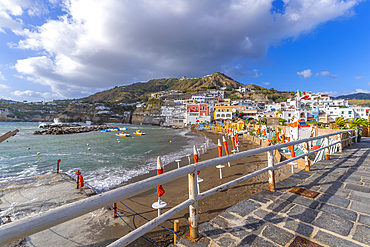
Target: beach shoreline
{"points": [[176, 192]]}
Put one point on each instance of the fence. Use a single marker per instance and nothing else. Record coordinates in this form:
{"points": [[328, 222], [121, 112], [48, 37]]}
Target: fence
{"points": [[28, 226]]}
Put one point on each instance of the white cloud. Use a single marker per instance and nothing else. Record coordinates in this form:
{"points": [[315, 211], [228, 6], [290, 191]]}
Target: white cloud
{"points": [[4, 87], [2, 77], [118, 42], [359, 77], [361, 91], [305, 73], [327, 73], [331, 93], [266, 83], [32, 94]]}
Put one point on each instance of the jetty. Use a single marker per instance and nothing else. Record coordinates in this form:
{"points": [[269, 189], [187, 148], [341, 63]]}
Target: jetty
{"points": [[327, 206], [69, 129]]}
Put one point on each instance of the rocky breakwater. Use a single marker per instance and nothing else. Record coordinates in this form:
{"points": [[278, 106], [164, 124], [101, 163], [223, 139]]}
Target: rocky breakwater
{"points": [[57, 130]]}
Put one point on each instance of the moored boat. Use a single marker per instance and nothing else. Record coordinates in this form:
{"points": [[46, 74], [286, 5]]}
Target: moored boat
{"points": [[139, 133], [123, 134]]}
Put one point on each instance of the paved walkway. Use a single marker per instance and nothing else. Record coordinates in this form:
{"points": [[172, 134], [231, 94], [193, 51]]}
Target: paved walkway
{"points": [[338, 216]]}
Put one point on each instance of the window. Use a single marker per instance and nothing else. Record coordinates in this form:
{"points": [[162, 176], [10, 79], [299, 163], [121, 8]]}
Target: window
{"points": [[222, 115], [342, 112], [349, 112], [228, 115], [227, 110], [218, 115], [218, 110]]}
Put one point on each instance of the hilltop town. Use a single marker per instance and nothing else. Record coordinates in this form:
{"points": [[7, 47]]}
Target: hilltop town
{"points": [[177, 102]]}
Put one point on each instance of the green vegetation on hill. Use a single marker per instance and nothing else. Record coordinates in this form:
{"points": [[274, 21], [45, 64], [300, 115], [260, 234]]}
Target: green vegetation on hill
{"points": [[142, 90]]}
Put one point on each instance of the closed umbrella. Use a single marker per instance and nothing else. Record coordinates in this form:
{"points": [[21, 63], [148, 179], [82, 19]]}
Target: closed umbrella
{"points": [[159, 204]]}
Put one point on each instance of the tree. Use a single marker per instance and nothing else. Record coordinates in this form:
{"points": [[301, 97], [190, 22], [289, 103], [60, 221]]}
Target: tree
{"points": [[341, 122], [282, 121]]}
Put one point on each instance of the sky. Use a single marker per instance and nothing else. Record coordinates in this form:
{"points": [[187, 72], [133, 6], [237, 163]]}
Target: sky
{"points": [[64, 49]]}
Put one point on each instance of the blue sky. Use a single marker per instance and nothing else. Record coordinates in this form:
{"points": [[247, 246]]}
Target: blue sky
{"points": [[55, 49]]}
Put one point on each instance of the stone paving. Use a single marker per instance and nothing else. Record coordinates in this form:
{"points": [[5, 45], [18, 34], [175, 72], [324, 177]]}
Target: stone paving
{"points": [[338, 216]]}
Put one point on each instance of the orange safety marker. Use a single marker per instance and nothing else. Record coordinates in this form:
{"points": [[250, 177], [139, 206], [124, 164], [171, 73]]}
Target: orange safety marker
{"points": [[58, 161], [237, 136], [114, 210], [81, 181], [258, 131], [78, 173], [264, 132]]}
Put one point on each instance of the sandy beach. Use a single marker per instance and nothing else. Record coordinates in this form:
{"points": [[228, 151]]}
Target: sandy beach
{"points": [[210, 207]]}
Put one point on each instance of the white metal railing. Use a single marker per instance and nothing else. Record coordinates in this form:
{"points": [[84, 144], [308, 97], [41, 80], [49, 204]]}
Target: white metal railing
{"points": [[27, 226]]}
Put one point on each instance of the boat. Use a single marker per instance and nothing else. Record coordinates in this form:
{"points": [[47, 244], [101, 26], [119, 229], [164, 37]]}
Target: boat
{"points": [[112, 129], [123, 134], [139, 133]]}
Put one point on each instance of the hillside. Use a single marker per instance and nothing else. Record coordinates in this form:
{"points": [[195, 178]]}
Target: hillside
{"points": [[140, 90], [365, 96]]}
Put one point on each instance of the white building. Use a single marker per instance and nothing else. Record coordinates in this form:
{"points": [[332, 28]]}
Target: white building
{"points": [[174, 114]]}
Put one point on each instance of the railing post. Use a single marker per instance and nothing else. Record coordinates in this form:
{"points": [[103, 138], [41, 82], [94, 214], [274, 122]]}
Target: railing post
{"points": [[115, 210], [327, 152], [340, 143], [270, 160], [350, 139], [306, 158], [193, 209], [356, 134]]}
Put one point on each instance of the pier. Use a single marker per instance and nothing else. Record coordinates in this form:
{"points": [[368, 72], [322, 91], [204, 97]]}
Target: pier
{"points": [[328, 206]]}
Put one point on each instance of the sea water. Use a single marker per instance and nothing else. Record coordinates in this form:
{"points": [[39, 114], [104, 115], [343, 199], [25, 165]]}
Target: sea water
{"points": [[104, 159]]}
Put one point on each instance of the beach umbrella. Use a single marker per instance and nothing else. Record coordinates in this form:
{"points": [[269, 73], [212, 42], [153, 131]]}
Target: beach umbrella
{"points": [[264, 131], [283, 138], [196, 157], [160, 189], [233, 141], [159, 204], [226, 149], [219, 148], [277, 136], [225, 144]]}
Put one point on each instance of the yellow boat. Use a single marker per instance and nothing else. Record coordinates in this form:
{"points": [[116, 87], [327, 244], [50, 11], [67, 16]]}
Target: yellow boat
{"points": [[139, 133], [123, 134]]}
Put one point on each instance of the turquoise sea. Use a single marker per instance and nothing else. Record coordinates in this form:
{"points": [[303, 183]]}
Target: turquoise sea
{"points": [[110, 161]]}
